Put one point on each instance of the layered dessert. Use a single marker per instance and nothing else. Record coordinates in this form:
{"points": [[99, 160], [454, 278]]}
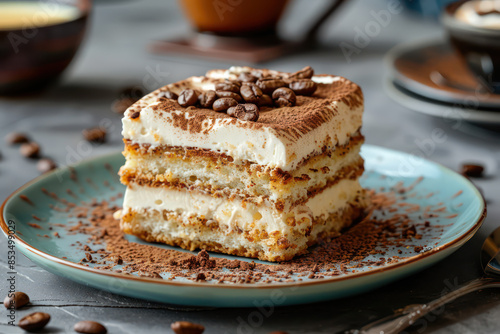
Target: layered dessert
{"points": [[248, 162]]}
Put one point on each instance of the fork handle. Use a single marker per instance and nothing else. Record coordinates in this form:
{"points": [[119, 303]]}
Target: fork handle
{"points": [[398, 321]]}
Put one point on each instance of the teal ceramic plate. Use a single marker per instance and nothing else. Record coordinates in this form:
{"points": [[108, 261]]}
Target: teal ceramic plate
{"points": [[432, 185]]}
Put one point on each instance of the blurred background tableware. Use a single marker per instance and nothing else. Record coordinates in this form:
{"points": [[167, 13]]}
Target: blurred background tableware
{"points": [[245, 30], [456, 115], [234, 18], [426, 8], [38, 40], [433, 70], [474, 31]]}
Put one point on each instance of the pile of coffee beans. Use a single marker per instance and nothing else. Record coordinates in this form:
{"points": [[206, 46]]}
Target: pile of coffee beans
{"points": [[242, 98]]}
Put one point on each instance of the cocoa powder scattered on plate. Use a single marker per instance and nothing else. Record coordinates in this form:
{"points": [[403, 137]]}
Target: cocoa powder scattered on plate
{"points": [[372, 242]]}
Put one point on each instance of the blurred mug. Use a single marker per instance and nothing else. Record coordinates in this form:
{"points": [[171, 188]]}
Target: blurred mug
{"points": [[234, 17]]}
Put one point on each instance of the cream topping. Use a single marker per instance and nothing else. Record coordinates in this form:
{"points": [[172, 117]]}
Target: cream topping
{"points": [[470, 11]]}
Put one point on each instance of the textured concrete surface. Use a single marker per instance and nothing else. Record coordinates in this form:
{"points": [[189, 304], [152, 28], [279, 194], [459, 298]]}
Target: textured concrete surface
{"points": [[115, 55]]}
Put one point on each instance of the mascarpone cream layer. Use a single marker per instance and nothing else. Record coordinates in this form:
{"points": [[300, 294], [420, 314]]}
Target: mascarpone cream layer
{"points": [[233, 213]]}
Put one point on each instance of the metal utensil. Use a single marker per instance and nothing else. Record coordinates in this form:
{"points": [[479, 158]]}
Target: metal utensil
{"points": [[490, 261]]}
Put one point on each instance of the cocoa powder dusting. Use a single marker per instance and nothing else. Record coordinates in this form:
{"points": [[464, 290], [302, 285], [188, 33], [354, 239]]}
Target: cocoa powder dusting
{"points": [[309, 113]]}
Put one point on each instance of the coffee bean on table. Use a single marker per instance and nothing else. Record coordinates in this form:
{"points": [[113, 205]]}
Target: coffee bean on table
{"points": [[34, 322], [121, 105], [270, 84], [45, 165], [134, 92], [207, 99], [245, 112], [168, 95], [251, 93], [247, 77], [30, 150], [94, 135], [472, 170], [305, 73], [188, 97], [232, 95], [16, 138], [224, 103], [284, 97], [227, 87], [303, 86], [90, 327], [185, 327], [16, 300], [265, 101]]}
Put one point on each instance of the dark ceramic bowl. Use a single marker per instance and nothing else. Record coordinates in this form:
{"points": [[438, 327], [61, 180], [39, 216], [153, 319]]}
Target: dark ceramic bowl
{"points": [[32, 58], [478, 46]]}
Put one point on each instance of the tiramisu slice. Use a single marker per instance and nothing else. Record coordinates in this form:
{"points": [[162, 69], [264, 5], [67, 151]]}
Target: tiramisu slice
{"points": [[256, 163]]}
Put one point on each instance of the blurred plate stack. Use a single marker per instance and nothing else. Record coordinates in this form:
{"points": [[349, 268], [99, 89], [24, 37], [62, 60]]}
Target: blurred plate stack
{"points": [[429, 77]]}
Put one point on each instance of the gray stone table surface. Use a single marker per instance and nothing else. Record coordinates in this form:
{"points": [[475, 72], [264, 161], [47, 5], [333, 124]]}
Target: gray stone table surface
{"points": [[115, 55]]}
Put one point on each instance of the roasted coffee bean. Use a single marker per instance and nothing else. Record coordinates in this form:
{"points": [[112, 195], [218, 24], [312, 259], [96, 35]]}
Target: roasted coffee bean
{"points": [[247, 77], [265, 101], [251, 93], [284, 97], [224, 103], [245, 112], [121, 105], [236, 110], [305, 73], [188, 97], [94, 135], [16, 300], [232, 95], [207, 99], [30, 150], [90, 327], [270, 84], [16, 138], [34, 322], [235, 82], [185, 327], [227, 87], [303, 86], [472, 170], [168, 95], [45, 165]]}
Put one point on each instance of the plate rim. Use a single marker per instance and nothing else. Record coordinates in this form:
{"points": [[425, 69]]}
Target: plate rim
{"points": [[457, 242], [429, 93], [437, 108]]}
